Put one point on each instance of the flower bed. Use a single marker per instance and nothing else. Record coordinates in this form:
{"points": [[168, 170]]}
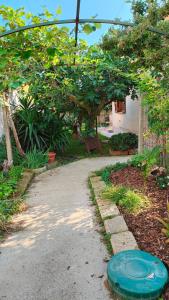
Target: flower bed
{"points": [[145, 227]]}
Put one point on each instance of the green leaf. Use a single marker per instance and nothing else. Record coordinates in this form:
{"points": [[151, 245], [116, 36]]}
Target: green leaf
{"points": [[17, 83], [3, 51], [3, 64], [59, 10], [88, 28], [27, 54], [51, 51], [97, 25]]}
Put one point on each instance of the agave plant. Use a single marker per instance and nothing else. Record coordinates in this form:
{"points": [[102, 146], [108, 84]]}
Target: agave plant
{"points": [[28, 120], [40, 127]]}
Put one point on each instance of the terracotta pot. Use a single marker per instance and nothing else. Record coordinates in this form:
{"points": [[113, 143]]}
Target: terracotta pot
{"points": [[131, 151], [51, 156], [118, 152]]}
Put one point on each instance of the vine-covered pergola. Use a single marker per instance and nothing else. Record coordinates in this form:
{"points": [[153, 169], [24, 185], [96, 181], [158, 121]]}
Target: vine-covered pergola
{"points": [[78, 21]]}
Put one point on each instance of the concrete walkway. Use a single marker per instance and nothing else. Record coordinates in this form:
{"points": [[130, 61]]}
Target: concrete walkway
{"points": [[58, 255]]}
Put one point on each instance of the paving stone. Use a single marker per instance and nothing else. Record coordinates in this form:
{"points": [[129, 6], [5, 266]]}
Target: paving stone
{"points": [[115, 225], [109, 211], [99, 185], [95, 179], [123, 241]]}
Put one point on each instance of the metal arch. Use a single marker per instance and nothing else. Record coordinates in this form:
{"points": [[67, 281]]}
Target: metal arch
{"points": [[77, 21], [81, 21]]}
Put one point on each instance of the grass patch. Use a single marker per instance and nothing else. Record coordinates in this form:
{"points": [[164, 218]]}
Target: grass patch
{"points": [[130, 200], [7, 209], [8, 205]]}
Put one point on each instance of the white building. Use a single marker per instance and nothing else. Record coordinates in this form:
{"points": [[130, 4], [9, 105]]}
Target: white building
{"points": [[125, 116]]}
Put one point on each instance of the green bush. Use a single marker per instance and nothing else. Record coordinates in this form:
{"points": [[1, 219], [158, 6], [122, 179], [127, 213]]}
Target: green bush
{"points": [[128, 199], [8, 184], [35, 159], [146, 160], [123, 141]]}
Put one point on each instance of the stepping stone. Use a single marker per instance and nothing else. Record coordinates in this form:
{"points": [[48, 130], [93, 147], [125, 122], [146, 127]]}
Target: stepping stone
{"points": [[123, 241], [102, 202], [95, 179], [110, 210], [115, 225]]}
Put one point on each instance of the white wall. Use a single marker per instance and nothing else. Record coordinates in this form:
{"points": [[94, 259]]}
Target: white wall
{"points": [[128, 122]]}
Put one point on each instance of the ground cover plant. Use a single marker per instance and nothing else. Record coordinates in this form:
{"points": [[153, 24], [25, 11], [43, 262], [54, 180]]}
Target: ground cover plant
{"points": [[106, 172], [132, 201], [9, 182], [9, 205]]}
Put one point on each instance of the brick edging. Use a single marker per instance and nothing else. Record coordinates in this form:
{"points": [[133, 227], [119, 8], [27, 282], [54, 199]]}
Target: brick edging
{"points": [[114, 223]]}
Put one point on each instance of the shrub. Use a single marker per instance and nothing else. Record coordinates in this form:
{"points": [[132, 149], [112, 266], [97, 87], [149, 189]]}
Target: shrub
{"points": [[123, 141], [128, 199], [35, 159], [146, 160], [8, 184]]}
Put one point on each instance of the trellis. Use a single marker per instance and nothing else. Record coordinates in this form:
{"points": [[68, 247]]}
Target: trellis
{"points": [[78, 21]]}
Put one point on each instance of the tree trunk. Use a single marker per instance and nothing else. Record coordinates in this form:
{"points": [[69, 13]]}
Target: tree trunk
{"points": [[18, 145], [13, 128], [7, 135]]}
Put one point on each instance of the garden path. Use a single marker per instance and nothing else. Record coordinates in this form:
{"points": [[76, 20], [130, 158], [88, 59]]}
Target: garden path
{"points": [[58, 255]]}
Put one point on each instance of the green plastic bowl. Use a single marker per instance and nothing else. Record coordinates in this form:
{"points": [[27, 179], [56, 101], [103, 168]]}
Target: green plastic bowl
{"points": [[135, 274]]}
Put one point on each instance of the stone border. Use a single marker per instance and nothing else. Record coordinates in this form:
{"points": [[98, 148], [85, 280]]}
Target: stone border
{"points": [[114, 223], [24, 182], [45, 168]]}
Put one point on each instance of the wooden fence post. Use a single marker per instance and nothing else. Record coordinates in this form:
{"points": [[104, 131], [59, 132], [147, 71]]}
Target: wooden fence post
{"points": [[7, 132], [141, 126]]}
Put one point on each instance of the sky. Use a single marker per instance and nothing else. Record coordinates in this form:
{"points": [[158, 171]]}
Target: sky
{"points": [[104, 9]]}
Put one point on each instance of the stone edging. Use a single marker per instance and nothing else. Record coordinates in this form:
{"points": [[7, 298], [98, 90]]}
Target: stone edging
{"points": [[114, 223], [24, 182], [45, 168], [28, 175]]}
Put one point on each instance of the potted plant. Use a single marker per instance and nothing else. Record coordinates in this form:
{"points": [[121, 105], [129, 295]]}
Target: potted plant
{"points": [[51, 156], [122, 143]]}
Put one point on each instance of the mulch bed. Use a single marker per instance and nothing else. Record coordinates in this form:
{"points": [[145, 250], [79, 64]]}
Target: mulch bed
{"points": [[145, 227]]}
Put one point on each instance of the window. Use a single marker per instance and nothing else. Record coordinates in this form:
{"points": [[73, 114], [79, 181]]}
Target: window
{"points": [[120, 107]]}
